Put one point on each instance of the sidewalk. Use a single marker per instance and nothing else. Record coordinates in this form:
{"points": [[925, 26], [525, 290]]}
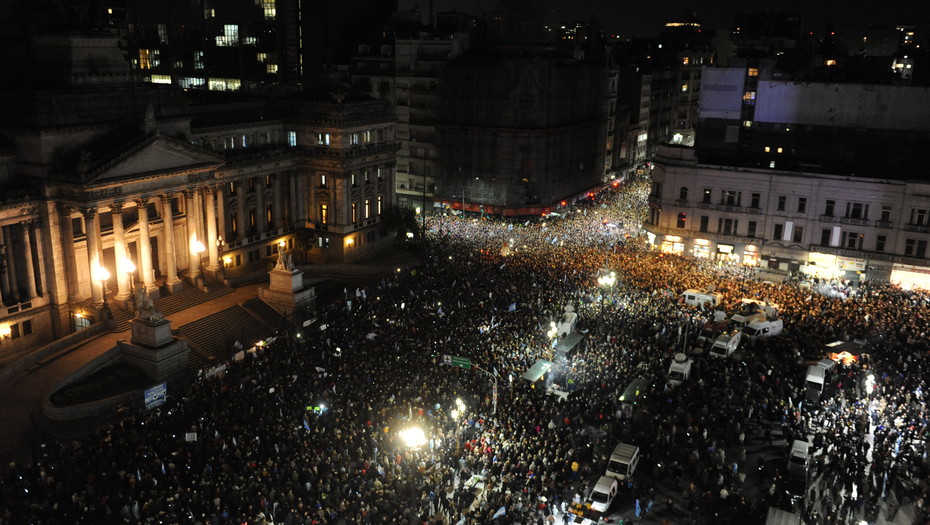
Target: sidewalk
{"points": [[21, 398]]}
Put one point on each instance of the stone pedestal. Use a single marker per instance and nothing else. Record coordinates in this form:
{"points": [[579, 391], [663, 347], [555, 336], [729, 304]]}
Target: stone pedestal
{"points": [[154, 350], [287, 292], [151, 333]]}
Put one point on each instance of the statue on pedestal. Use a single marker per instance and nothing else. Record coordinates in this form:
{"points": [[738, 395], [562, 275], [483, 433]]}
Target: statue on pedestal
{"points": [[145, 309]]}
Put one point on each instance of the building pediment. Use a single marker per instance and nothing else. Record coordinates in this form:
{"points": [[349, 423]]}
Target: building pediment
{"points": [[156, 155]]}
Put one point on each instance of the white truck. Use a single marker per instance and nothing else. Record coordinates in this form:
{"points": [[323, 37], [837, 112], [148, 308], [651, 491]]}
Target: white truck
{"points": [[726, 344], [700, 298], [763, 328], [623, 461], [679, 370]]}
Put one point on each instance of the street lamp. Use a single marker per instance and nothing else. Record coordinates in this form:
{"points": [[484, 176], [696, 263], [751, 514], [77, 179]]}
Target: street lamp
{"points": [[220, 244], [131, 274], [606, 281], [101, 274], [198, 249]]}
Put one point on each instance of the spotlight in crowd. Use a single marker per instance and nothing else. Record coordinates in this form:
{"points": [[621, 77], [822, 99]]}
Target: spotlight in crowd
{"points": [[413, 436]]}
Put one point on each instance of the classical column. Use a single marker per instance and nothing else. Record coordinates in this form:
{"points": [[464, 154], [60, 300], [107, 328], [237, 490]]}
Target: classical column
{"points": [[41, 277], [92, 229], [167, 220], [120, 253], [242, 222], [5, 291], [260, 205], [193, 263], [198, 215], [67, 248], [208, 194], [301, 195], [277, 202], [145, 247], [221, 212], [28, 261]]}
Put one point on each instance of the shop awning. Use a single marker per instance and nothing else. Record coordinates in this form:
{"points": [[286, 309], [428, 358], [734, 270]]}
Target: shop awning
{"points": [[537, 370], [565, 346]]}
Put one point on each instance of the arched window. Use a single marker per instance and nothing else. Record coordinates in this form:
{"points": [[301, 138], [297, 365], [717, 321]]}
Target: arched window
{"points": [[683, 194]]}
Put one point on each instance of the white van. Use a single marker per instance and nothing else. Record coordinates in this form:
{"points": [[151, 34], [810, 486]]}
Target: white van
{"points": [[815, 378], [679, 370], [605, 490], [701, 297], [797, 458], [763, 328], [726, 344], [623, 461]]}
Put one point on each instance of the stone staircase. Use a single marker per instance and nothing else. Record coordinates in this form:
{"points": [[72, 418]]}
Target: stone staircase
{"points": [[266, 314], [169, 304], [212, 338]]}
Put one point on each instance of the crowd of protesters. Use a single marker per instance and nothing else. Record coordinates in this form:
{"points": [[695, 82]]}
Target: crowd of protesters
{"points": [[306, 429]]}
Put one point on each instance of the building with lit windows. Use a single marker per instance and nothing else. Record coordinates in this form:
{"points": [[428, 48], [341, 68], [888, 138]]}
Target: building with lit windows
{"points": [[813, 177], [166, 191]]}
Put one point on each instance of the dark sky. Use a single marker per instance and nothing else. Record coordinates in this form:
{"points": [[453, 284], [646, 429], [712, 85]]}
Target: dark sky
{"points": [[646, 17]]}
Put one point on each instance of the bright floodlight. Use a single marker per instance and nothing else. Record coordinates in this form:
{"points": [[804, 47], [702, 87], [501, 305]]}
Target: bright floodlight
{"points": [[129, 266], [459, 403], [413, 436], [455, 414], [198, 247], [607, 279]]}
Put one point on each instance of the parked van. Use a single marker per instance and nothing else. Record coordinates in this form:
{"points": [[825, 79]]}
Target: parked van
{"points": [[679, 370], [726, 344], [815, 378], [623, 461], [701, 297], [797, 458], [605, 490], [763, 328]]}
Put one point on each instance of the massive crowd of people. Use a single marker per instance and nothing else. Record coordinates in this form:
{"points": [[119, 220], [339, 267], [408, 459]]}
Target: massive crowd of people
{"points": [[307, 429]]}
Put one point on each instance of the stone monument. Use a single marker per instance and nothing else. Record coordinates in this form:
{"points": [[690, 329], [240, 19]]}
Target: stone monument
{"points": [[153, 348], [286, 292]]}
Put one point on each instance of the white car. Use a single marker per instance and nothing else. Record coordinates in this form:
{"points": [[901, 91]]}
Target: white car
{"points": [[605, 490]]}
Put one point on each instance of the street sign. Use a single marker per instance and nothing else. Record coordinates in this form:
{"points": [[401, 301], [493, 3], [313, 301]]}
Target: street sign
{"points": [[454, 360]]}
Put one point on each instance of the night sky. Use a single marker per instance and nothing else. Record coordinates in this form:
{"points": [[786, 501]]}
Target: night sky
{"points": [[646, 18]]}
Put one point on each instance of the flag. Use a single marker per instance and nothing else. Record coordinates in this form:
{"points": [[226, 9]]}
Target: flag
{"points": [[513, 307], [307, 426], [163, 467], [500, 512]]}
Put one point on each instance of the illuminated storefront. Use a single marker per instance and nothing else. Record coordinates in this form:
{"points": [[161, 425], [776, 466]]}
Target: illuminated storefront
{"points": [[911, 277], [701, 248], [751, 256], [673, 244], [726, 253]]}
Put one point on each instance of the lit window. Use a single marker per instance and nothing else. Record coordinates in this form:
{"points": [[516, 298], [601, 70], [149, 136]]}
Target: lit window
{"points": [[684, 88], [830, 62], [768, 149], [380, 204], [269, 8], [198, 59], [224, 84], [753, 72], [209, 13], [249, 41], [354, 212], [367, 208], [353, 138], [292, 138], [261, 57], [148, 58], [749, 97], [685, 61], [324, 214], [162, 33], [747, 123], [779, 150], [230, 36], [366, 136], [161, 79], [271, 68], [322, 139]]}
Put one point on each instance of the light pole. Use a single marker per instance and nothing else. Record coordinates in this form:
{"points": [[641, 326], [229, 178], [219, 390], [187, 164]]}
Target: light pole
{"points": [[131, 274], [493, 392], [220, 244], [198, 249], [101, 274], [606, 281]]}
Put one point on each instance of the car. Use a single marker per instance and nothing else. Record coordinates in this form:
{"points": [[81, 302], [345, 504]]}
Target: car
{"points": [[603, 494]]}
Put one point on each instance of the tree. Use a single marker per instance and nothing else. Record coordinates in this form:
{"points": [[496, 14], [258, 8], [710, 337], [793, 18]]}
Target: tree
{"points": [[402, 220]]}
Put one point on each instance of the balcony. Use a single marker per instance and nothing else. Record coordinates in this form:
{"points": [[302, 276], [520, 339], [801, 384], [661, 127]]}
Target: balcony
{"points": [[706, 206], [682, 203], [854, 221], [917, 228], [883, 224], [828, 218]]}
